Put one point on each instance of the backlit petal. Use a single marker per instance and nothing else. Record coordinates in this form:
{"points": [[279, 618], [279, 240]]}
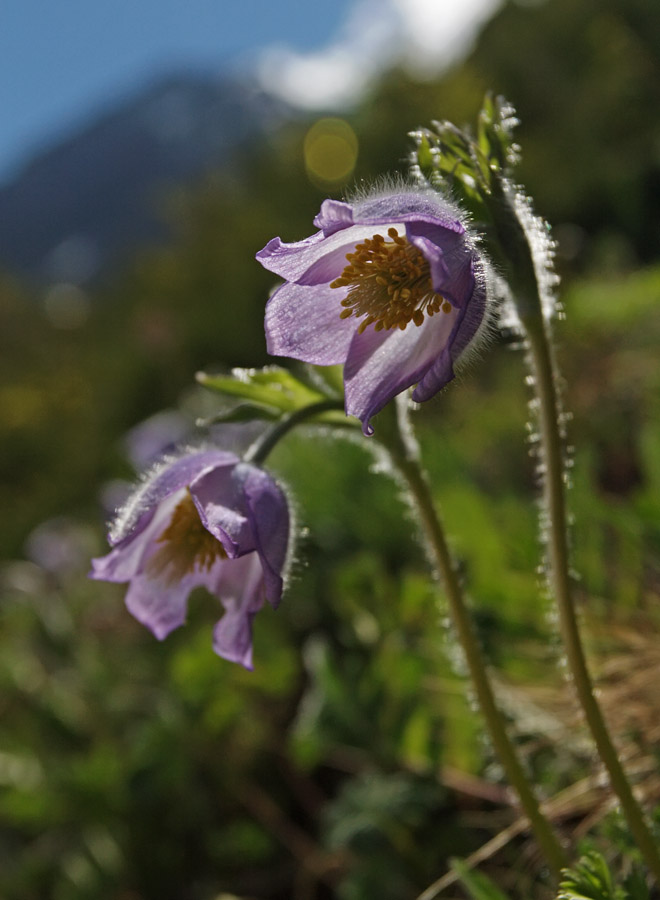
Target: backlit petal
{"points": [[382, 364], [305, 324]]}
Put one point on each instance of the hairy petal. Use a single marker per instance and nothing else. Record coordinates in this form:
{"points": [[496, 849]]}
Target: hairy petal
{"points": [[333, 216], [166, 478], [268, 513], [306, 261], [409, 206], [302, 317], [129, 556], [382, 364], [165, 553]]}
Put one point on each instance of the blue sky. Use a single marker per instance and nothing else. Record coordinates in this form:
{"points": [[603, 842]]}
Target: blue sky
{"points": [[63, 59]]}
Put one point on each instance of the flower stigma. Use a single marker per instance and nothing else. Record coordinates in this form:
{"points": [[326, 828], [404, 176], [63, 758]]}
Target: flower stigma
{"points": [[186, 544], [389, 282]]}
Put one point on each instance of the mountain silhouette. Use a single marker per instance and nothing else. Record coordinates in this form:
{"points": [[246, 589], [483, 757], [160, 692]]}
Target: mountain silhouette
{"points": [[85, 202]]}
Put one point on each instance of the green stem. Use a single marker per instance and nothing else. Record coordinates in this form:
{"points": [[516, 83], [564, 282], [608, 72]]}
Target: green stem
{"points": [[558, 558], [405, 456], [517, 244], [265, 443]]}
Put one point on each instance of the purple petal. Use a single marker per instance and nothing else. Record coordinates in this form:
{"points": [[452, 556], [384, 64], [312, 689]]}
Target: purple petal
{"points": [[232, 637], [459, 287], [409, 206], [159, 605], [294, 261], [447, 235], [469, 319], [334, 215], [240, 588], [302, 320], [435, 258], [464, 286], [382, 364], [120, 565], [127, 558], [474, 312], [277, 253], [218, 497], [304, 323], [268, 513], [329, 266], [439, 374], [166, 478]]}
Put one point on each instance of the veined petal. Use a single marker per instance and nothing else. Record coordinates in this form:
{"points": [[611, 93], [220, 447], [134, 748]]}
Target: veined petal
{"points": [[277, 254], [185, 514], [232, 637], [409, 206], [268, 513], [467, 324], [294, 261], [333, 216], [460, 285], [128, 557], [305, 324], [382, 364], [475, 312], [435, 257], [240, 587], [219, 500], [159, 605], [163, 480], [402, 280], [450, 264], [435, 378]]}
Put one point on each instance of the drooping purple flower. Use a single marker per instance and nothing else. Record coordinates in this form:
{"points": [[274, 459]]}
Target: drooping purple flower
{"points": [[391, 286], [203, 519]]}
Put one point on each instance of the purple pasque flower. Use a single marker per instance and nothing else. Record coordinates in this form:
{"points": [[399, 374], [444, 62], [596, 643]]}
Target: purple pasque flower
{"points": [[202, 519], [391, 286]]}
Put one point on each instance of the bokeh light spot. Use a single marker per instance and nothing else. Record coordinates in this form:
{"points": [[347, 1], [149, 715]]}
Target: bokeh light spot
{"points": [[331, 150]]}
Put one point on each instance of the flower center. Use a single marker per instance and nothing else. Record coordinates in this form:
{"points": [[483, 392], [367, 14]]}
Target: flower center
{"points": [[389, 282], [186, 544]]}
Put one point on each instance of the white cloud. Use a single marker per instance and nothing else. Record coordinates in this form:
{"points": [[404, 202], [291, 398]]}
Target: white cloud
{"points": [[439, 32], [425, 36]]}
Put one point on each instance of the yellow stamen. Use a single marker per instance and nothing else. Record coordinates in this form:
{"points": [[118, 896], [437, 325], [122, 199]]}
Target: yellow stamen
{"points": [[389, 283], [186, 544]]}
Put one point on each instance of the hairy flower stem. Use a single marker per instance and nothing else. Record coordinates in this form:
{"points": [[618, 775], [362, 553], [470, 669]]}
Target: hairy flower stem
{"points": [[516, 241], [404, 452], [264, 444], [540, 351]]}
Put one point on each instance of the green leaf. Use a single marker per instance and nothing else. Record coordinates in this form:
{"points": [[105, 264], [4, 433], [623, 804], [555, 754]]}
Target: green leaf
{"points": [[272, 387], [590, 879], [485, 124], [244, 412], [466, 163], [478, 885], [424, 155], [328, 380]]}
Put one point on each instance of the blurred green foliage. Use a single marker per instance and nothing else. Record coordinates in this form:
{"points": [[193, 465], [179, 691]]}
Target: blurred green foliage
{"points": [[591, 879], [135, 770]]}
